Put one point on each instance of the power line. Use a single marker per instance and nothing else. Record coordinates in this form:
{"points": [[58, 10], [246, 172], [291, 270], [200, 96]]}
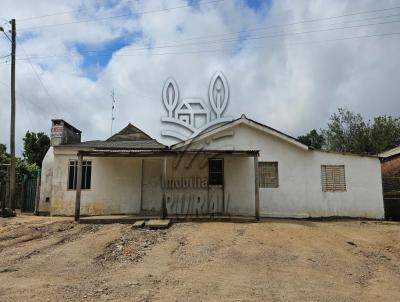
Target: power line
{"points": [[56, 14], [285, 34], [242, 32], [9, 39], [234, 39], [262, 28], [53, 14], [173, 45], [23, 97], [210, 2], [228, 40], [113, 17], [87, 9], [39, 78], [246, 48]]}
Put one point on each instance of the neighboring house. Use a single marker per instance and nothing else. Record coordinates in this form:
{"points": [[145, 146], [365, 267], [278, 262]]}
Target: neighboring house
{"points": [[390, 161], [242, 168]]}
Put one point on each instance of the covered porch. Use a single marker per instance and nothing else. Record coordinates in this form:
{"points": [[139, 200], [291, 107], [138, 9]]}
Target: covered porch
{"points": [[195, 184]]}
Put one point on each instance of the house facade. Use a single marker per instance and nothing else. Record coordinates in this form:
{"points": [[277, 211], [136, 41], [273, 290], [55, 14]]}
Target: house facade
{"points": [[240, 168]]}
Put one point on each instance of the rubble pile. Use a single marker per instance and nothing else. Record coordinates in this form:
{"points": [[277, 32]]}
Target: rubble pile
{"points": [[133, 246]]}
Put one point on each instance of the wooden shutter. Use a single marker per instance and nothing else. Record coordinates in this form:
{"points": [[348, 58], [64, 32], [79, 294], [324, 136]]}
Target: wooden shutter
{"points": [[333, 178], [268, 174]]}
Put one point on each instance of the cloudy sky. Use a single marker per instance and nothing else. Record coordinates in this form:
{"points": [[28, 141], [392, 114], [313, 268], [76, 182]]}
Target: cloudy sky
{"points": [[289, 64]]}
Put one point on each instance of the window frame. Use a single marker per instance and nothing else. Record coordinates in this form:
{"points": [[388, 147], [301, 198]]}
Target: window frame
{"points": [[221, 173], [86, 178], [265, 185], [337, 184]]}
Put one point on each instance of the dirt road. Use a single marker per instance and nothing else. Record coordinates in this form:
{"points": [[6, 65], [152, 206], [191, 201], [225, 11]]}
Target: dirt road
{"points": [[54, 259]]}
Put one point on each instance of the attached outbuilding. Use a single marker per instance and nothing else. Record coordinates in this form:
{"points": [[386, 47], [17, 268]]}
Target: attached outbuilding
{"points": [[390, 160], [242, 168]]}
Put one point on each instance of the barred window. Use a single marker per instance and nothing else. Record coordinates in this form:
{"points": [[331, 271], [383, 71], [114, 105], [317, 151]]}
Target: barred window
{"points": [[86, 174], [333, 178], [216, 172], [268, 174]]}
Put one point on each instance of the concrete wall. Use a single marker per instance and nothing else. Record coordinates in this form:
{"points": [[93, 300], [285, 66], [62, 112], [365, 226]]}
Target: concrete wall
{"points": [[115, 186], [117, 182], [46, 181], [299, 193]]}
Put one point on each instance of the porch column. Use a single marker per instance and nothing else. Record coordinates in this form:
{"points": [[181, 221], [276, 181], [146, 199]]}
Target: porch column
{"points": [[256, 189], [164, 198], [78, 188]]}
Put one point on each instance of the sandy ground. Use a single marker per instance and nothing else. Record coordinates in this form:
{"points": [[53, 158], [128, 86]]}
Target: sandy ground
{"points": [[54, 259]]}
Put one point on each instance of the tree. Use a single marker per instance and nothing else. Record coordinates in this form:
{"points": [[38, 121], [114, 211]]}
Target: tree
{"points": [[35, 147], [4, 162], [384, 133], [22, 166], [312, 139], [347, 132]]}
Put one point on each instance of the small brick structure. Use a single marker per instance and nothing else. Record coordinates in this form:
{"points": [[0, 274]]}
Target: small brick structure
{"points": [[391, 186]]}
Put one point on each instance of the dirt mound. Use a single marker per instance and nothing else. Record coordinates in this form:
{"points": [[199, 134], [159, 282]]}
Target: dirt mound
{"points": [[132, 247]]}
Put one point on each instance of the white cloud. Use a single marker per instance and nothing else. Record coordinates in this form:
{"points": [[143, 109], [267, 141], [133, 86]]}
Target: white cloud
{"points": [[288, 82]]}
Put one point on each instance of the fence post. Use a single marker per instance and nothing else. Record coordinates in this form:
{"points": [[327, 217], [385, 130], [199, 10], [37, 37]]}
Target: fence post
{"points": [[2, 198], [37, 195], [23, 192]]}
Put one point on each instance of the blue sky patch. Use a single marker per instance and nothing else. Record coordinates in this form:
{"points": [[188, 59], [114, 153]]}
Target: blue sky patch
{"points": [[94, 62], [258, 5]]}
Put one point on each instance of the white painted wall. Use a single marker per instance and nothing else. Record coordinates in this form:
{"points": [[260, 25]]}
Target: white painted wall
{"points": [[46, 181], [299, 193], [152, 193], [115, 186], [117, 182]]}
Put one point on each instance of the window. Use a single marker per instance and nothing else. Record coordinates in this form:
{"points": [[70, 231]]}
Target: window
{"points": [[333, 178], [268, 174], [86, 174], [216, 172]]}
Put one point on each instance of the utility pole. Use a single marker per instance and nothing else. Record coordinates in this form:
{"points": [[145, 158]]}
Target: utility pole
{"points": [[12, 126], [11, 173], [112, 110]]}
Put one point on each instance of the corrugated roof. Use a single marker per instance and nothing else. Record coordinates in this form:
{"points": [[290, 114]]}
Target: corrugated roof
{"points": [[129, 138], [391, 152], [129, 133], [138, 144]]}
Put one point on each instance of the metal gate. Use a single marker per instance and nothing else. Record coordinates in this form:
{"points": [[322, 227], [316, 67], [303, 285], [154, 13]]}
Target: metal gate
{"points": [[25, 193], [391, 197], [28, 192]]}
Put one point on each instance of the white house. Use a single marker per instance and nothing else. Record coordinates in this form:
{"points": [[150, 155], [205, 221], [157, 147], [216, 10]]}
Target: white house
{"points": [[241, 168]]}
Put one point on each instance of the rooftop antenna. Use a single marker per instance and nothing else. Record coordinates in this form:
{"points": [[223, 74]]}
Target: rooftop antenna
{"points": [[112, 109]]}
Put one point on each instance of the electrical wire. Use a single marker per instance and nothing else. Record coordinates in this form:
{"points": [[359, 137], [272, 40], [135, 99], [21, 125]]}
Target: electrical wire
{"points": [[60, 13], [24, 98], [229, 40], [262, 28], [39, 78], [173, 45], [242, 48], [9, 39], [34, 28]]}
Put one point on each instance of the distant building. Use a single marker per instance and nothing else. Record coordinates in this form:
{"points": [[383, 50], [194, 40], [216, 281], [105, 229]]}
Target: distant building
{"points": [[240, 168], [390, 160]]}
